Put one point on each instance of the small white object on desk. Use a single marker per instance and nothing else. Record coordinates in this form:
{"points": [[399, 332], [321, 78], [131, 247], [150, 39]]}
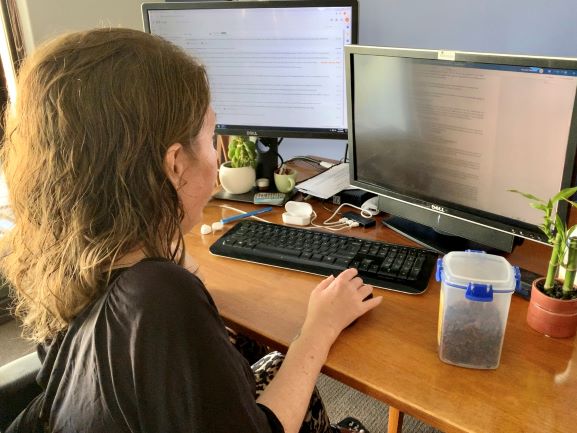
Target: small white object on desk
{"points": [[205, 229], [262, 184], [371, 206], [297, 213]]}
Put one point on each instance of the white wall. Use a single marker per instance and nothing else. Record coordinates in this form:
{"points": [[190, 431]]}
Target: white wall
{"points": [[43, 19], [538, 27]]}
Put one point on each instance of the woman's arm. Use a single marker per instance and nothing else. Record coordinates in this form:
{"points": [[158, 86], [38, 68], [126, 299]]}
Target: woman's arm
{"points": [[334, 304]]}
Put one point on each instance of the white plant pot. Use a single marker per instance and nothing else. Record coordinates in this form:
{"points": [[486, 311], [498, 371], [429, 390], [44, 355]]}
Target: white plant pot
{"points": [[236, 180]]}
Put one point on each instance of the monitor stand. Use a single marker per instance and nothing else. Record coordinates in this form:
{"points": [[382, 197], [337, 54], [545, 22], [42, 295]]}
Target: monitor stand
{"points": [[442, 243], [267, 157]]}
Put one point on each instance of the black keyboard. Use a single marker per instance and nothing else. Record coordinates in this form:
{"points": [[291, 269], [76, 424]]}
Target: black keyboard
{"points": [[389, 266]]}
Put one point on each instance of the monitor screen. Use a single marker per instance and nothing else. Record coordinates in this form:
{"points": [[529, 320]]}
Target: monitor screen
{"points": [[443, 136], [276, 68]]}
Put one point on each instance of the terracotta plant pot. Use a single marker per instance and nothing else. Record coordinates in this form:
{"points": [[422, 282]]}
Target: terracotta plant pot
{"points": [[550, 316]]}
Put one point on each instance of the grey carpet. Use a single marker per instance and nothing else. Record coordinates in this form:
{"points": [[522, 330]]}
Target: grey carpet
{"points": [[342, 401]]}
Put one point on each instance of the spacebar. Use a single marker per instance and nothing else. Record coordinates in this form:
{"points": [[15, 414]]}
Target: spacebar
{"points": [[270, 249], [290, 261]]}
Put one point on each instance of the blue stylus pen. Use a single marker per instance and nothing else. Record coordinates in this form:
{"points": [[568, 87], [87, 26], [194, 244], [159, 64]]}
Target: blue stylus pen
{"points": [[246, 215]]}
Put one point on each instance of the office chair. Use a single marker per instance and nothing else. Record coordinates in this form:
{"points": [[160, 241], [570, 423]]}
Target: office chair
{"points": [[18, 387]]}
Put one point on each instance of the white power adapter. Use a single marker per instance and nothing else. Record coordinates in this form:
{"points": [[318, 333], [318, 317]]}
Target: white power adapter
{"points": [[297, 213], [370, 207]]}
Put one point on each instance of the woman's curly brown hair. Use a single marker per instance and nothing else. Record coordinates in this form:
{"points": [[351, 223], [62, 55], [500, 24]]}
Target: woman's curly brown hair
{"points": [[83, 159]]}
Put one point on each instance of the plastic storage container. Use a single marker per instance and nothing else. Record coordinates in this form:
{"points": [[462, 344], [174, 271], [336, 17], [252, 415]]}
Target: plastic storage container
{"points": [[476, 291]]}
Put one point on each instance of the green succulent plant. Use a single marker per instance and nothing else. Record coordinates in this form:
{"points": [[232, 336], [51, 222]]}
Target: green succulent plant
{"points": [[559, 236], [242, 151]]}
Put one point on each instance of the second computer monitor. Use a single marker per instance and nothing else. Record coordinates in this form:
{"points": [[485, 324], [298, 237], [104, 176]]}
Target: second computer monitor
{"points": [[444, 136], [276, 68]]}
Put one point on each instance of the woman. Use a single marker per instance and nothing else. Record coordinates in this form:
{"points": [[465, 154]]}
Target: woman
{"points": [[109, 160]]}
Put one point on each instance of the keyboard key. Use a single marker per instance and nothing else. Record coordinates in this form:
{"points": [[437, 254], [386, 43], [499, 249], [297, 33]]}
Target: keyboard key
{"points": [[342, 262], [373, 269]]}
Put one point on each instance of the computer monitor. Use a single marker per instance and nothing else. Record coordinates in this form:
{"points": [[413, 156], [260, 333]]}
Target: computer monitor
{"points": [[442, 136], [276, 68]]}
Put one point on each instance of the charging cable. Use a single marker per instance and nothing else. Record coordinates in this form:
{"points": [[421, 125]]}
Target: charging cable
{"points": [[365, 213], [297, 213], [302, 214], [343, 223]]}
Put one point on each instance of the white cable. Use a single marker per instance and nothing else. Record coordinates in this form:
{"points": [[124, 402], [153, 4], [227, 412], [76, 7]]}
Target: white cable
{"points": [[332, 228], [364, 212], [342, 224], [349, 222], [334, 214], [326, 222]]}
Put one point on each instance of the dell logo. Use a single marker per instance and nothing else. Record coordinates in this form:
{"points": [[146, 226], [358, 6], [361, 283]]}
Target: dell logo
{"points": [[438, 208], [249, 132]]}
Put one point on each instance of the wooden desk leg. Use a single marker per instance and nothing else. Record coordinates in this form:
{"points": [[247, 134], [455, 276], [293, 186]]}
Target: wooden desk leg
{"points": [[395, 420]]}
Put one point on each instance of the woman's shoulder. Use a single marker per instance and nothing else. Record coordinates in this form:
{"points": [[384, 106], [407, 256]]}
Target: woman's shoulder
{"points": [[154, 270], [157, 284]]}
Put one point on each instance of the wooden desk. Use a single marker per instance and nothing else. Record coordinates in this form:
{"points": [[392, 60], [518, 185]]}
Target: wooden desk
{"points": [[391, 352]]}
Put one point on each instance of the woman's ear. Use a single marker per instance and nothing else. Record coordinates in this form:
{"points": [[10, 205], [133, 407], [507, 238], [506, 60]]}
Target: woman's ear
{"points": [[174, 164]]}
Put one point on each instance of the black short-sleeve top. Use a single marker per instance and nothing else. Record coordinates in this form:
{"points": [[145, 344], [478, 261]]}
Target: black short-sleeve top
{"points": [[151, 355]]}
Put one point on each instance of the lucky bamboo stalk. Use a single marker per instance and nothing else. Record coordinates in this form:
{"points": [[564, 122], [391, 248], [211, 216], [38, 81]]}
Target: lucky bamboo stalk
{"points": [[571, 269], [553, 264]]}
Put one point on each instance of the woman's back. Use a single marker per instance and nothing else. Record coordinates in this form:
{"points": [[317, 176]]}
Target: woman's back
{"points": [[151, 355]]}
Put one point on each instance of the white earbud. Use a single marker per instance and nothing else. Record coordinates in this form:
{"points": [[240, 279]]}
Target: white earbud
{"points": [[205, 229]]}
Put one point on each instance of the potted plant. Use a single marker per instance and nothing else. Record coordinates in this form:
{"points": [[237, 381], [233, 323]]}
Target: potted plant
{"points": [[553, 305], [238, 175]]}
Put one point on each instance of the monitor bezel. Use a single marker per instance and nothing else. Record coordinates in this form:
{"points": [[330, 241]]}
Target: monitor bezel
{"points": [[483, 220], [265, 131]]}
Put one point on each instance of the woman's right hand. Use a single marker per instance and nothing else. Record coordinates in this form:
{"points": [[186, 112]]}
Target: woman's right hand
{"points": [[335, 303]]}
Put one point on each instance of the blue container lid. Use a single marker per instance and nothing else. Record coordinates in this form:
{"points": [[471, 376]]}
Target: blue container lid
{"points": [[479, 274]]}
